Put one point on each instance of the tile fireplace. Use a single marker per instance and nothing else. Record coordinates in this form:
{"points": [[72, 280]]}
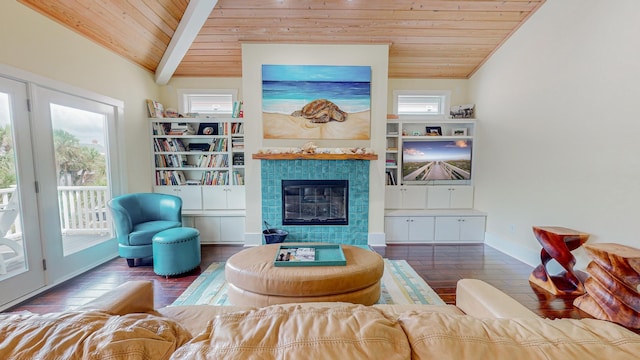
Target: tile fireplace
{"points": [[353, 173]]}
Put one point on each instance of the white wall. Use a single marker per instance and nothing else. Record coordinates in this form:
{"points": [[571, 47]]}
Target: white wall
{"points": [[253, 56], [557, 137], [32, 42]]}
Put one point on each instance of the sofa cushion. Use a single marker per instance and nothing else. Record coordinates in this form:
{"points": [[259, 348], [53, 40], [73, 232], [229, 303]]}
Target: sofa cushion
{"points": [[292, 331], [447, 336], [88, 335], [196, 318]]}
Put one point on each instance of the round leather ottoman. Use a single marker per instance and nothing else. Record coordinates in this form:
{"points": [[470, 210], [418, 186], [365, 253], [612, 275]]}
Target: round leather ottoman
{"points": [[254, 280], [176, 251]]}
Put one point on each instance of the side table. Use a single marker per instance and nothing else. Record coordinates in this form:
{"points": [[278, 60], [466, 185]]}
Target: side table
{"points": [[557, 244], [612, 290]]}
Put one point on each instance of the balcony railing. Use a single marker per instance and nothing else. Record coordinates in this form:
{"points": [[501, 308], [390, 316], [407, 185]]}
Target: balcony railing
{"points": [[83, 210]]}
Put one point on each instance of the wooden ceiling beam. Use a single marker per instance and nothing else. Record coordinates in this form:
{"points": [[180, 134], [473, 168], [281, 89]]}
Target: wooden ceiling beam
{"points": [[194, 17]]}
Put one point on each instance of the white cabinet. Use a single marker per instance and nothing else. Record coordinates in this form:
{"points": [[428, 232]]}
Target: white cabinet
{"points": [[450, 197], [434, 226], [190, 195], [223, 197], [405, 197], [408, 229], [220, 229], [459, 229]]}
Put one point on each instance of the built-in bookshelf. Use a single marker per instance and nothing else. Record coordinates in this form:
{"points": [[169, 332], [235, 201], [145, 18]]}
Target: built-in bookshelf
{"points": [[192, 155]]}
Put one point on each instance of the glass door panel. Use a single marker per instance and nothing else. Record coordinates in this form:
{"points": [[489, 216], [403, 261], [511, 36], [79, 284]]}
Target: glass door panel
{"points": [[21, 270], [74, 184], [79, 139]]}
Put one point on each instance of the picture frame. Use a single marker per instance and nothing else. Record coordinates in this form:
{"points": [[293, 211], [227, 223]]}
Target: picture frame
{"points": [[459, 132], [434, 130], [208, 129]]}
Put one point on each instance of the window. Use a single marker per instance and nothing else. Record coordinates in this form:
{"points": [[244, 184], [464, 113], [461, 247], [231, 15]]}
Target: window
{"points": [[207, 102], [421, 102]]}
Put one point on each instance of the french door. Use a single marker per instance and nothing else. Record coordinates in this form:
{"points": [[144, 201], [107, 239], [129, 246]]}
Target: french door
{"points": [[21, 267], [56, 166], [74, 183]]}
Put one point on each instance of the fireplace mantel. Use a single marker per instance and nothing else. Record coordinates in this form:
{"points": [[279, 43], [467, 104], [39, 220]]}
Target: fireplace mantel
{"points": [[291, 156]]}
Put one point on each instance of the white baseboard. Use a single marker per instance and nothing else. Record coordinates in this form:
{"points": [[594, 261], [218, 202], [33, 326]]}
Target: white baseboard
{"points": [[528, 256], [252, 239], [377, 239]]}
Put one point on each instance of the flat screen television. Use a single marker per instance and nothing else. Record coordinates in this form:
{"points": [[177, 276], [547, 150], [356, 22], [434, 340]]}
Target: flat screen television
{"points": [[436, 161]]}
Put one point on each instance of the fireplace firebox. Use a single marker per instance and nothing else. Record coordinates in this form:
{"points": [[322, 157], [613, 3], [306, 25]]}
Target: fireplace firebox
{"points": [[315, 202]]}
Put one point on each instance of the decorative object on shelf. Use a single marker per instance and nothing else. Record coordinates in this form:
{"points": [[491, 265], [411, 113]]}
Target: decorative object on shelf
{"points": [[434, 130], [462, 111], [171, 113], [208, 129], [459, 132], [557, 244], [613, 289], [338, 104], [310, 148], [392, 116]]}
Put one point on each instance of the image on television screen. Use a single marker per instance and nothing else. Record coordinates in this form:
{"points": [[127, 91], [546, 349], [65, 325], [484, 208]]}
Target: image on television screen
{"points": [[424, 161]]}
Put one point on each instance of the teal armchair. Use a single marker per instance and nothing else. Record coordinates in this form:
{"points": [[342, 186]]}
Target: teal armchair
{"points": [[137, 217]]}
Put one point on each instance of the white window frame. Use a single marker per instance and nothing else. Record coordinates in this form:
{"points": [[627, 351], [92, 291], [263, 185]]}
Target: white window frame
{"points": [[444, 111], [184, 95]]}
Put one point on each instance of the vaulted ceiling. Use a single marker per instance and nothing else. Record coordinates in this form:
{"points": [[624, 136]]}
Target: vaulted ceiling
{"points": [[428, 39]]}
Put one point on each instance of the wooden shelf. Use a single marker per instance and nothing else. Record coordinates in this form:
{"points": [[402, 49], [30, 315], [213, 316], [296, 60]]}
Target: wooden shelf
{"points": [[315, 156]]}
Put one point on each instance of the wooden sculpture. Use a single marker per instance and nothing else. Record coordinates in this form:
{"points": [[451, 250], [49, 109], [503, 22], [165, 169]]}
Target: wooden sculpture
{"points": [[557, 244], [612, 290]]}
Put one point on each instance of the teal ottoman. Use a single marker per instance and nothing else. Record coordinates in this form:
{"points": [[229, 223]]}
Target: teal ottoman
{"points": [[176, 251]]}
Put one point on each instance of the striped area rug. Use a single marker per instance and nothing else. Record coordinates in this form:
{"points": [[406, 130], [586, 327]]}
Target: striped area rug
{"points": [[400, 285]]}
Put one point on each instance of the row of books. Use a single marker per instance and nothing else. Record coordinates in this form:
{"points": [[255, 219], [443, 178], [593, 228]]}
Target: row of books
{"points": [[238, 179], [215, 160], [391, 178], [237, 128], [237, 143], [168, 145], [177, 178], [170, 177], [179, 129], [219, 144], [170, 160], [216, 177]]}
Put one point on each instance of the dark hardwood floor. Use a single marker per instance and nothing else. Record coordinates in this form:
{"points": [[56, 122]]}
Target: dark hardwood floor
{"points": [[440, 265]]}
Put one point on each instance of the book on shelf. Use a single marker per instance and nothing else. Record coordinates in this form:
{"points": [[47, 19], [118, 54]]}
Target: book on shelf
{"points": [[238, 179], [391, 178], [237, 109], [155, 109], [297, 254]]}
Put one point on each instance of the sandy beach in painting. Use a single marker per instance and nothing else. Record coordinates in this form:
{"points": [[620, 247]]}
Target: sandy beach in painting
{"points": [[280, 126]]}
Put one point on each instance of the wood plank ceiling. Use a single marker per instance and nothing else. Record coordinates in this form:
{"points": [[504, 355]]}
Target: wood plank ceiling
{"points": [[428, 39]]}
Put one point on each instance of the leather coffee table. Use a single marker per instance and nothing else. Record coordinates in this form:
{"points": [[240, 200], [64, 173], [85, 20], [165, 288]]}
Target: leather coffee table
{"points": [[254, 280]]}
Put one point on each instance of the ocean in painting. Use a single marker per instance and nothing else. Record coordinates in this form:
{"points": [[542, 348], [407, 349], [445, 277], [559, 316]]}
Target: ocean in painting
{"points": [[287, 88], [285, 97]]}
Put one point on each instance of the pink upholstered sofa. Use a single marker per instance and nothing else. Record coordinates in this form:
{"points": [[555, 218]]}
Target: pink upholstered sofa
{"points": [[484, 324]]}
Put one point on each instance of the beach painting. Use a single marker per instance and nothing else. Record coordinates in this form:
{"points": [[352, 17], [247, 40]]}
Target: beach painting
{"points": [[316, 102]]}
